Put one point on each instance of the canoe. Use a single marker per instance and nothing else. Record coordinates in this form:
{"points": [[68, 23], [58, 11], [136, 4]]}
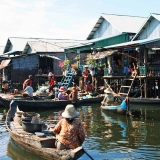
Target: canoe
{"points": [[120, 109], [26, 103], [41, 146], [124, 109]]}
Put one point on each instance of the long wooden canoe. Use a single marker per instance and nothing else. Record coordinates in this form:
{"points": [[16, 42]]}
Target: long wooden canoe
{"points": [[47, 103], [41, 146]]}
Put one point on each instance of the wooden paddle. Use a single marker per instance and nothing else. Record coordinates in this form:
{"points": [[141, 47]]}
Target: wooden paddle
{"points": [[88, 155]]}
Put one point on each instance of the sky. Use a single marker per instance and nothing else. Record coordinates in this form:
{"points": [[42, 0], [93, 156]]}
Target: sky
{"points": [[63, 19]]}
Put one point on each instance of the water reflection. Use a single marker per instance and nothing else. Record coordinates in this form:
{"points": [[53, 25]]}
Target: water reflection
{"points": [[16, 152], [108, 135], [114, 136]]}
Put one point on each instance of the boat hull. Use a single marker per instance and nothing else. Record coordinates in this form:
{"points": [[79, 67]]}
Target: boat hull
{"points": [[116, 109], [30, 103], [41, 146], [144, 100]]}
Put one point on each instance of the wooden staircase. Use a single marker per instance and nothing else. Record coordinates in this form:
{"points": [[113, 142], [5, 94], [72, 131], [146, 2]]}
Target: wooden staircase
{"points": [[126, 86], [67, 80]]}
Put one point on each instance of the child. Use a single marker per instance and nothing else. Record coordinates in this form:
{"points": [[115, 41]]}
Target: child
{"points": [[81, 85], [74, 93], [89, 87]]}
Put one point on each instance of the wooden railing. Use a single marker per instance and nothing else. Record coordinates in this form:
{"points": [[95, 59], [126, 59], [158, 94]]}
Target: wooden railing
{"points": [[142, 71]]}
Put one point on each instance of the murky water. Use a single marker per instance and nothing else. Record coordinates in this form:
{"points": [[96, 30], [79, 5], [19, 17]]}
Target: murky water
{"points": [[109, 136]]}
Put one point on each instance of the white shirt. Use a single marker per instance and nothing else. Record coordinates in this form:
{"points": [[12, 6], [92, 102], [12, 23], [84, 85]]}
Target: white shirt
{"points": [[29, 91], [92, 72]]}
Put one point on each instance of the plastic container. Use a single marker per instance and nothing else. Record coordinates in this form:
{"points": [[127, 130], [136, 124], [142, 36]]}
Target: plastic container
{"points": [[32, 127]]}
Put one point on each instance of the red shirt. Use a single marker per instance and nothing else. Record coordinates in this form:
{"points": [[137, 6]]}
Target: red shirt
{"points": [[26, 82], [85, 74], [51, 82]]}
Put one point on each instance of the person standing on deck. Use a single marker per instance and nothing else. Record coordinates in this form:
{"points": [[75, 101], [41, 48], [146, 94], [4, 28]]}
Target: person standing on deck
{"points": [[69, 131], [51, 81], [86, 74], [29, 80]]}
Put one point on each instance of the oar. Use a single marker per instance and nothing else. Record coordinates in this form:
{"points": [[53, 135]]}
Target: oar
{"points": [[88, 155]]}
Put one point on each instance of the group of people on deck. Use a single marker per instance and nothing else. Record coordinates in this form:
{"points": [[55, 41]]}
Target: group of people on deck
{"points": [[71, 93], [85, 86]]}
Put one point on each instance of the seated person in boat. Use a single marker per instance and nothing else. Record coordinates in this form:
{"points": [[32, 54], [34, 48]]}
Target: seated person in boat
{"points": [[29, 80], [109, 98], [56, 91], [28, 91], [14, 91], [69, 131], [4, 87], [89, 87], [62, 95], [74, 93]]}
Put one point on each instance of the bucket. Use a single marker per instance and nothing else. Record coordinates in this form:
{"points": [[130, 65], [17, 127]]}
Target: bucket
{"points": [[32, 127]]}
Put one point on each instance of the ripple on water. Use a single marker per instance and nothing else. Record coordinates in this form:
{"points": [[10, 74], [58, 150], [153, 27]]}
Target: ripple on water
{"points": [[4, 138]]}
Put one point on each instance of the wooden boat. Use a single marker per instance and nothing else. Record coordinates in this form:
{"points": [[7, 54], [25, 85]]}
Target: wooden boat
{"points": [[120, 109], [145, 100], [41, 146], [124, 108], [24, 103]]}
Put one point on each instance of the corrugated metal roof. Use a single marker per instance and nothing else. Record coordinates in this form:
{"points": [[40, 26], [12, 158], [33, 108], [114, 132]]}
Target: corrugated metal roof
{"points": [[122, 23], [49, 45], [19, 43], [156, 16], [134, 43]]}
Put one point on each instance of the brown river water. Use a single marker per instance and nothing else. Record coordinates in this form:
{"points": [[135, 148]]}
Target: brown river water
{"points": [[108, 135]]}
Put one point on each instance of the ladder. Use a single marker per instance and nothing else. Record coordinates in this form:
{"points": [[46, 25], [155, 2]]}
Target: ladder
{"points": [[67, 79], [126, 86]]}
